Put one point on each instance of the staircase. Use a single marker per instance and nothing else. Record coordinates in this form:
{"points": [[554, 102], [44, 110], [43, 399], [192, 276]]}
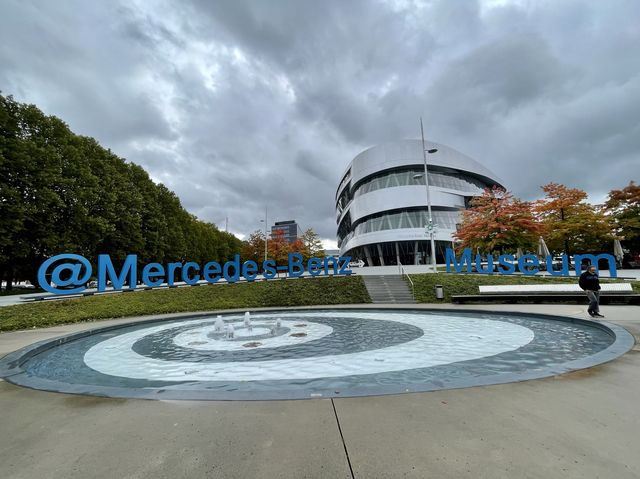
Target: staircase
{"points": [[388, 289]]}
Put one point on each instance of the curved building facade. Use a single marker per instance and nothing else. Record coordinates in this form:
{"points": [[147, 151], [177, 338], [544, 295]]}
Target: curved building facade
{"points": [[381, 202]]}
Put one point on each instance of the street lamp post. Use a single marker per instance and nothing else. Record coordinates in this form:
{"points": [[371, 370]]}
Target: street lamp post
{"points": [[265, 232], [430, 226]]}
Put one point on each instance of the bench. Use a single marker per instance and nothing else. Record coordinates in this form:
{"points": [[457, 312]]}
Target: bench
{"points": [[552, 288], [549, 293]]}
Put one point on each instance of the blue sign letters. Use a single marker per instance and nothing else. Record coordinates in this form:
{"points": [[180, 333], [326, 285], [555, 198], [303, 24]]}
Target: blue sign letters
{"points": [[527, 264], [78, 271]]}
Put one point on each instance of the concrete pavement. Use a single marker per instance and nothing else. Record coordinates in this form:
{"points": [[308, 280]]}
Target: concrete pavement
{"points": [[584, 424]]}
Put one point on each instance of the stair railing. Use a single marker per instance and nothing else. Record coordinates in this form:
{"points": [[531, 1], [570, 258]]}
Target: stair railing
{"points": [[403, 272]]}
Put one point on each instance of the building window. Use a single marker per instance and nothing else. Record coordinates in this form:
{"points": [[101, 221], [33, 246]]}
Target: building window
{"points": [[453, 181], [408, 219]]}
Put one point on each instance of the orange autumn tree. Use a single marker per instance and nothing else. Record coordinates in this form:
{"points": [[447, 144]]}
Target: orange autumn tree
{"points": [[278, 247], [498, 222], [570, 224]]}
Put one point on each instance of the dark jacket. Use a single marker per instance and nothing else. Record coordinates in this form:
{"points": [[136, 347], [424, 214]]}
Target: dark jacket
{"points": [[589, 281]]}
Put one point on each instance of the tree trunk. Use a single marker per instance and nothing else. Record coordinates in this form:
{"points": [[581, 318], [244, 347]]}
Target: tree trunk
{"points": [[9, 277], [566, 241], [32, 276]]}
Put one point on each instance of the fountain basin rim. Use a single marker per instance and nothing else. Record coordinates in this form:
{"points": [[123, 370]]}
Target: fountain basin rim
{"points": [[11, 364]]}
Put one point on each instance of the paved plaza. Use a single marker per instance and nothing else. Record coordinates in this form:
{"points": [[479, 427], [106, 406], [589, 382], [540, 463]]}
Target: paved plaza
{"points": [[578, 425]]}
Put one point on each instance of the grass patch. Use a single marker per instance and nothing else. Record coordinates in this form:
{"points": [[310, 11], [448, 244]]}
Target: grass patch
{"points": [[454, 284], [300, 292]]}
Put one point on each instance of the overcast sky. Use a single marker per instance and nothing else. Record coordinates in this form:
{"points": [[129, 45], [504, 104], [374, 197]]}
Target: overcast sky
{"points": [[235, 105]]}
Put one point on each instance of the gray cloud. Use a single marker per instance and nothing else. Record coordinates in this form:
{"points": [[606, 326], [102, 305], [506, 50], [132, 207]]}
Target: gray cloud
{"points": [[238, 105]]}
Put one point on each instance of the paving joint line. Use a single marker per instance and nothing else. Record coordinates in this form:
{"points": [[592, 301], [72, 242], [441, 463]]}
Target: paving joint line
{"points": [[342, 439]]}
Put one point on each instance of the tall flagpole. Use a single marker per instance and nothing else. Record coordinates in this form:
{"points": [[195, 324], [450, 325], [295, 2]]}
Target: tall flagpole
{"points": [[429, 226], [265, 233]]}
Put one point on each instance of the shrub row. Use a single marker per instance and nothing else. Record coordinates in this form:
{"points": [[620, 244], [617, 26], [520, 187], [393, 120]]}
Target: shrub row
{"points": [[302, 292]]}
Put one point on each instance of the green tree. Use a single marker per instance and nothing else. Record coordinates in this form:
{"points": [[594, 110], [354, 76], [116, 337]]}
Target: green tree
{"points": [[45, 188], [253, 247], [312, 245], [14, 187], [60, 192], [624, 207], [570, 224], [229, 245]]}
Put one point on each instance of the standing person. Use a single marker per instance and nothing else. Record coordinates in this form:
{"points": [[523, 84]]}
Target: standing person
{"points": [[590, 283]]}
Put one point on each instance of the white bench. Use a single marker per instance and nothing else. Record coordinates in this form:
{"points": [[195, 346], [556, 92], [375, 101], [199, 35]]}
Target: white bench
{"points": [[552, 288], [537, 293]]}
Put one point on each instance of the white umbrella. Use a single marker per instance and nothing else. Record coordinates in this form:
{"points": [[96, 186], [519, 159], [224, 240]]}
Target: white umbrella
{"points": [[542, 248], [617, 250]]}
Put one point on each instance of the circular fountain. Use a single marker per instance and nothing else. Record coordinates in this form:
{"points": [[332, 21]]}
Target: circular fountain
{"points": [[313, 353]]}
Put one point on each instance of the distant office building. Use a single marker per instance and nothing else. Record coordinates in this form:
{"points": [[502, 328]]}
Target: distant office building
{"points": [[290, 228], [381, 207]]}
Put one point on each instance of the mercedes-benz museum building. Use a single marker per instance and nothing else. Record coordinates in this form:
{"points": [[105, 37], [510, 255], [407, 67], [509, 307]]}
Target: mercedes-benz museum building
{"points": [[381, 203]]}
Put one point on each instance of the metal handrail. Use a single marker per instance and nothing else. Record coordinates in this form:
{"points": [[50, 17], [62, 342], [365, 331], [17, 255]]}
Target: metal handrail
{"points": [[403, 272]]}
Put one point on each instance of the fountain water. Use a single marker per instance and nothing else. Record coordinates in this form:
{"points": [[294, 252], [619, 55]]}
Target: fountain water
{"points": [[247, 321], [298, 354], [219, 324]]}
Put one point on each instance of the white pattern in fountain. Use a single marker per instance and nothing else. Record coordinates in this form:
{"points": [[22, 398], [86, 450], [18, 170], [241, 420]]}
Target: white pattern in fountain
{"points": [[447, 338], [201, 338]]}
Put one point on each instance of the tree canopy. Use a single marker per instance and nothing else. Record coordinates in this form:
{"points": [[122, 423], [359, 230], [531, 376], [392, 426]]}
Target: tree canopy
{"points": [[570, 224], [624, 207], [61, 193], [278, 248], [496, 221]]}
